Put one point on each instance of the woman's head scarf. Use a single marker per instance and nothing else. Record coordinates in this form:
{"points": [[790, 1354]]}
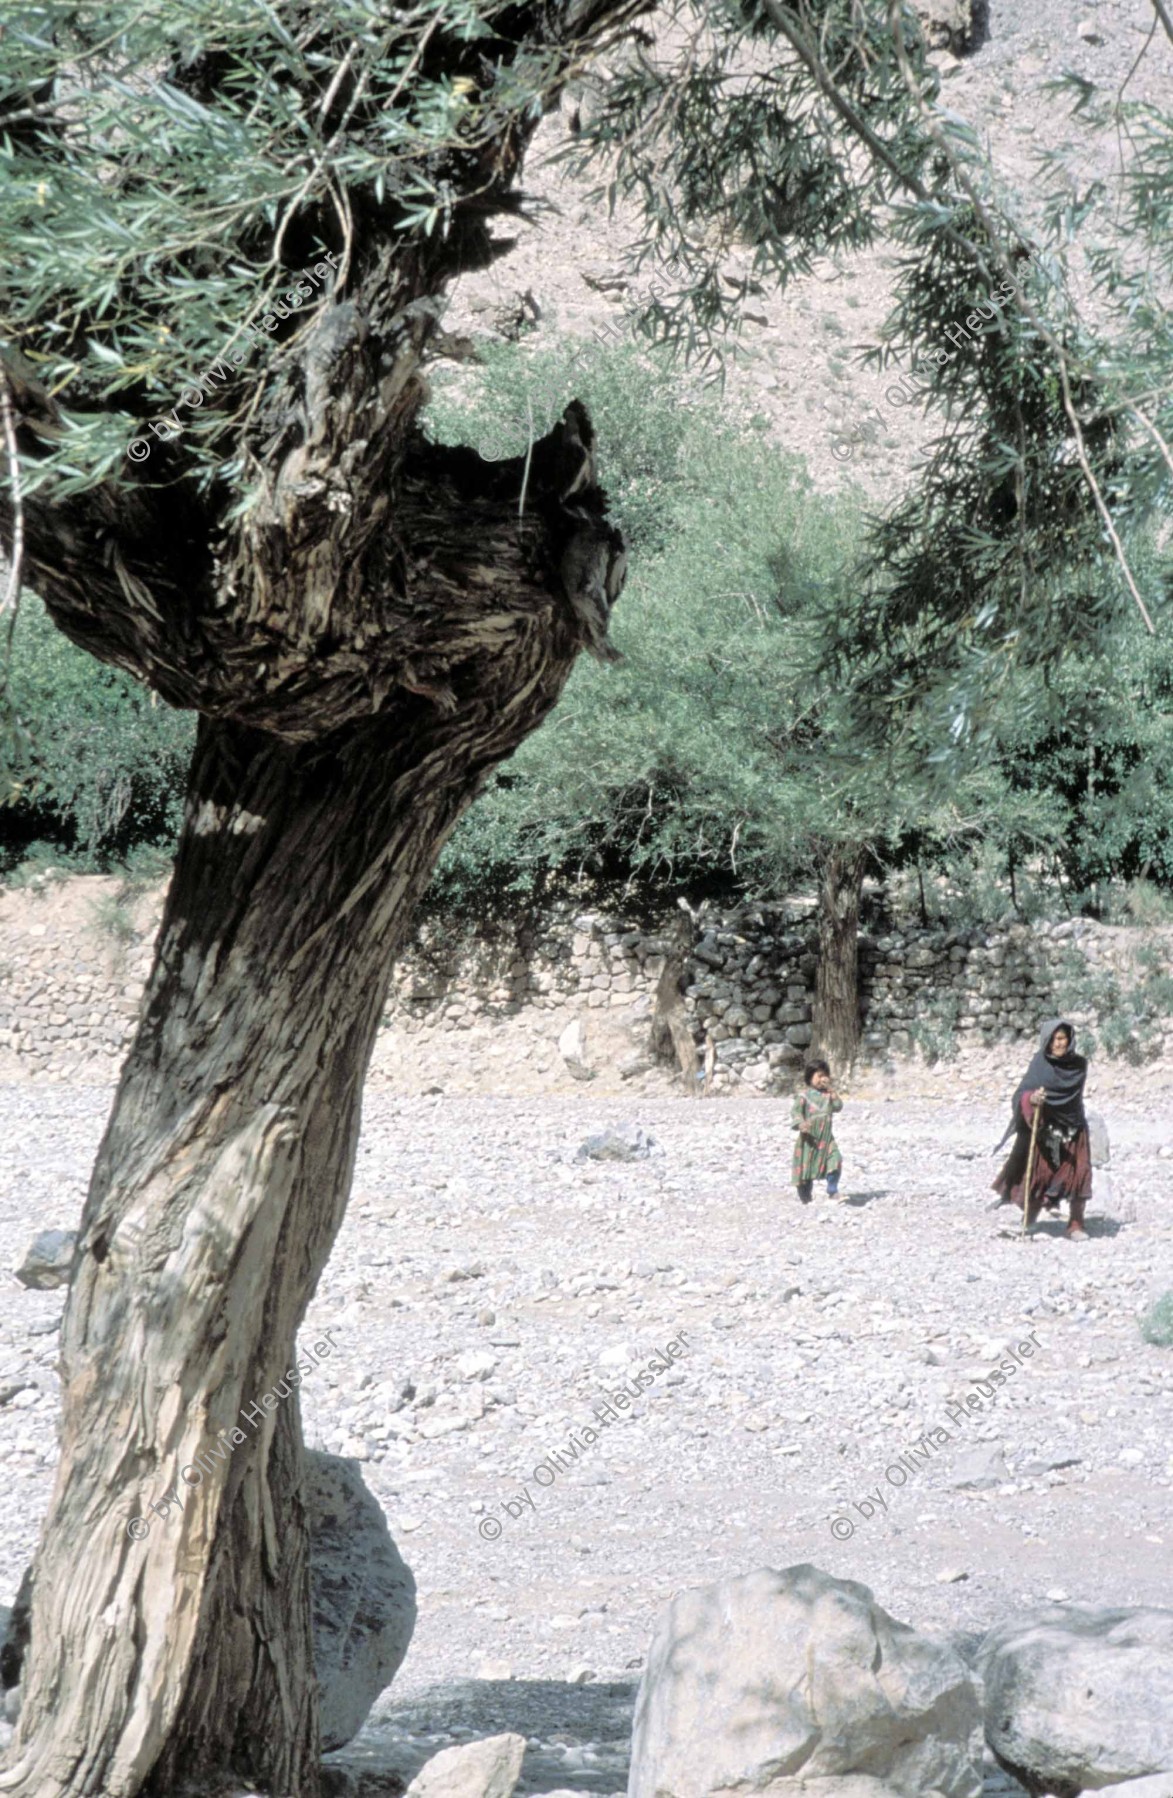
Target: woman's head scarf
{"points": [[1063, 1076]]}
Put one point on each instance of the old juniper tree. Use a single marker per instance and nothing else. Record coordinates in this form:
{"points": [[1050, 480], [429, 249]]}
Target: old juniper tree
{"points": [[226, 230]]}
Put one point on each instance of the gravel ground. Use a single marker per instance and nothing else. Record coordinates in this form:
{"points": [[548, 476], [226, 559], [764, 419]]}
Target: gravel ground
{"points": [[487, 1290]]}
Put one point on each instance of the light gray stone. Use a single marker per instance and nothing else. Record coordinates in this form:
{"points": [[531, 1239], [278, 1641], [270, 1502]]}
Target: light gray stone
{"points": [[47, 1260], [1158, 1785], [979, 1468], [1097, 1131], [362, 1594], [485, 1769], [627, 1143], [572, 1046], [792, 1681], [1078, 1697]]}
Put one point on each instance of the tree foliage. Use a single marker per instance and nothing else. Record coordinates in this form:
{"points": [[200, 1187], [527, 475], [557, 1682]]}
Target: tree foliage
{"points": [[92, 761], [776, 131], [722, 752]]}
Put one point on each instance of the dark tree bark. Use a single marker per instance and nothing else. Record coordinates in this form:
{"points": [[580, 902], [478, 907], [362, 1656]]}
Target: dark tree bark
{"points": [[671, 1038], [835, 1029], [387, 621], [218, 1191]]}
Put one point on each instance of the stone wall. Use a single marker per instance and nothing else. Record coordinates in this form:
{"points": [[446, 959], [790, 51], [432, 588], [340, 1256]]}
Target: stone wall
{"points": [[73, 961], [749, 982]]}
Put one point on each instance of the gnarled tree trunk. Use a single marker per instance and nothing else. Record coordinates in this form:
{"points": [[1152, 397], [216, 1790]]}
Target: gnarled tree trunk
{"points": [[225, 1168], [376, 626], [835, 1029]]}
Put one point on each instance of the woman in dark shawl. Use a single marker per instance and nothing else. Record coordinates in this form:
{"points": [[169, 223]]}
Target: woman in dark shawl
{"points": [[1062, 1168]]}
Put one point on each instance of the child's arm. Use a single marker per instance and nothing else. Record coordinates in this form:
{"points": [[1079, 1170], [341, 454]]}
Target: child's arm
{"points": [[836, 1102], [797, 1111]]}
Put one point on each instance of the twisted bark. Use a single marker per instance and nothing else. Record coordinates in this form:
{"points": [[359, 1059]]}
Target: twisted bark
{"points": [[218, 1191], [382, 623]]}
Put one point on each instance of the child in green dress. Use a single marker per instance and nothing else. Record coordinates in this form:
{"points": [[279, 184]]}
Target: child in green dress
{"points": [[816, 1153]]}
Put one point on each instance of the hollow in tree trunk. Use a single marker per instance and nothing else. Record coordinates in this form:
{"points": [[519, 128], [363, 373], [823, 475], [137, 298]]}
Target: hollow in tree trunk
{"points": [[835, 1029]]}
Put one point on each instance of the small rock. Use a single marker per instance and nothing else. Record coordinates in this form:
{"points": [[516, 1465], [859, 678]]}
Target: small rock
{"points": [[631, 1143], [491, 1669], [476, 1364], [950, 1576], [485, 1769], [572, 1047], [47, 1260], [979, 1469]]}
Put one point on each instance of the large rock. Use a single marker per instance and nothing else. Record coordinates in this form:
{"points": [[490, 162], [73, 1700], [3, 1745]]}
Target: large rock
{"points": [[486, 1769], [1078, 1698], [362, 1591], [792, 1681], [47, 1260]]}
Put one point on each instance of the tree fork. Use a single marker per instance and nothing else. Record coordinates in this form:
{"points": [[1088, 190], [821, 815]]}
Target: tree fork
{"points": [[222, 1181]]}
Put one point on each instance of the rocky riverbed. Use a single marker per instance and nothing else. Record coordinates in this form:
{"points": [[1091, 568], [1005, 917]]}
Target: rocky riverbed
{"points": [[489, 1290]]}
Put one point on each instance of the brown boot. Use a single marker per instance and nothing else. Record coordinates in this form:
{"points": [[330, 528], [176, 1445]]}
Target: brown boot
{"points": [[1075, 1229]]}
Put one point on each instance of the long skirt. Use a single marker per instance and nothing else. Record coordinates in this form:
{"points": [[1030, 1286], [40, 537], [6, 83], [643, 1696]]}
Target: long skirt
{"points": [[1050, 1184]]}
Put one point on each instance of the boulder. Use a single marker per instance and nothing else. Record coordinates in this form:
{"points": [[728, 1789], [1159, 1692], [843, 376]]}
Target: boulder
{"points": [[795, 1682], [362, 1592], [572, 1048], [47, 1260], [485, 1769], [1080, 1697], [628, 1143]]}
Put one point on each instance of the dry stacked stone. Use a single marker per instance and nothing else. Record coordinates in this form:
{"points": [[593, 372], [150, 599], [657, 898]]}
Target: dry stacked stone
{"points": [[68, 999]]}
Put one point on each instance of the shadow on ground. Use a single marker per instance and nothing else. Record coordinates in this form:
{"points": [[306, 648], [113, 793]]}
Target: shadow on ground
{"points": [[583, 1732]]}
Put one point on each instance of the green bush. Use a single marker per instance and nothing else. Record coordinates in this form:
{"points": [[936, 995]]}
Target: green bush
{"points": [[1131, 1012], [1156, 1326], [90, 762], [673, 762], [934, 1029]]}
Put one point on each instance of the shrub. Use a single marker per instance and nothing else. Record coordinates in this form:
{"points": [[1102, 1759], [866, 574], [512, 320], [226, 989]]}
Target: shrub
{"points": [[92, 761]]}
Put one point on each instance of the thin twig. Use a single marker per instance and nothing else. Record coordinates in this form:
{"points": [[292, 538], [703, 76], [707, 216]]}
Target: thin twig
{"points": [[529, 451]]}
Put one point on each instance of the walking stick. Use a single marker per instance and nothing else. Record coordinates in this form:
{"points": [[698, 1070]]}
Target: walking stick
{"points": [[1030, 1167]]}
